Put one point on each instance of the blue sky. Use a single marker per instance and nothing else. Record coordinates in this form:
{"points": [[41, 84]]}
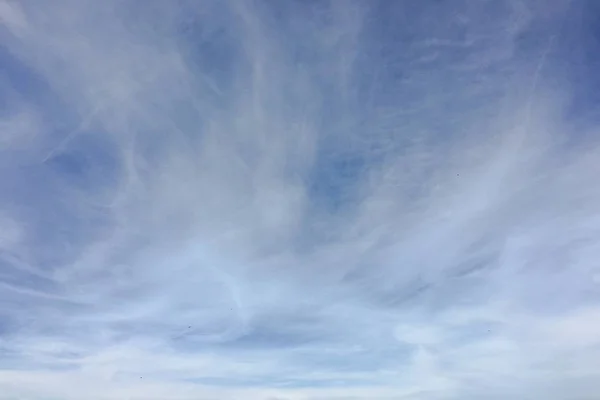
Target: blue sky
{"points": [[299, 200]]}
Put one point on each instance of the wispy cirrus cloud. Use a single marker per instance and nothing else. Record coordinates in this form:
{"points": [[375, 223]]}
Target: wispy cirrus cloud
{"points": [[298, 200]]}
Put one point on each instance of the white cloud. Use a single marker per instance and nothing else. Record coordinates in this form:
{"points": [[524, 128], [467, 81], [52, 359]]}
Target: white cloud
{"points": [[295, 201]]}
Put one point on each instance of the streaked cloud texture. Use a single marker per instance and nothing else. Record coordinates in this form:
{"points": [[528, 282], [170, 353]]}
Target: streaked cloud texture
{"points": [[299, 200]]}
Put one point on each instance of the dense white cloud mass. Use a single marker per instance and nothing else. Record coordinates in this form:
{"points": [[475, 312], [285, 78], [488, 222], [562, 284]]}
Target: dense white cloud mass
{"points": [[299, 200]]}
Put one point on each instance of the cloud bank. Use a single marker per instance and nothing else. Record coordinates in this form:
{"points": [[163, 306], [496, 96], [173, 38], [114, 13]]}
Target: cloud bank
{"points": [[299, 200]]}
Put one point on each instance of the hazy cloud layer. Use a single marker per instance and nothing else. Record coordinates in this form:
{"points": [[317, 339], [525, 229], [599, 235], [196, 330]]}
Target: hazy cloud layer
{"points": [[299, 200]]}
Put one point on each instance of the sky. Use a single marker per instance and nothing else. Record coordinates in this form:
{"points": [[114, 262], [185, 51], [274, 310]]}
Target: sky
{"points": [[299, 200]]}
